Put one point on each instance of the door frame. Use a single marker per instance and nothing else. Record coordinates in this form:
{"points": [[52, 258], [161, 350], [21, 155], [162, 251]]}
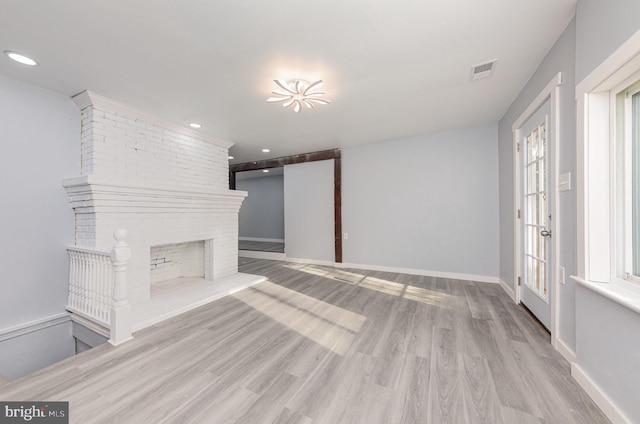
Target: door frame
{"points": [[550, 92]]}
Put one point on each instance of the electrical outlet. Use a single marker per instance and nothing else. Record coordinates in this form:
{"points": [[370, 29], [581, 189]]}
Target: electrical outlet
{"points": [[346, 236], [561, 274]]}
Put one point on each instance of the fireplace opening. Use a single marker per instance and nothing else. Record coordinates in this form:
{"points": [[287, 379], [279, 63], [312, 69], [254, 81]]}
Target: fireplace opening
{"points": [[177, 260]]}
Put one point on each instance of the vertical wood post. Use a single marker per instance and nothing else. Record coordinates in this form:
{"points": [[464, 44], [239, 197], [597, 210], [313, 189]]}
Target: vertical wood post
{"points": [[121, 319], [337, 206]]}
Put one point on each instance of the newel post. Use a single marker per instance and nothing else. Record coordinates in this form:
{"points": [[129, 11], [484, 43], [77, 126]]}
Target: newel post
{"points": [[121, 319]]}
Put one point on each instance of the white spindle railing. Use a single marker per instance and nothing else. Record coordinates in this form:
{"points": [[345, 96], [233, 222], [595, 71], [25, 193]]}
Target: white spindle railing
{"points": [[98, 286], [91, 280]]}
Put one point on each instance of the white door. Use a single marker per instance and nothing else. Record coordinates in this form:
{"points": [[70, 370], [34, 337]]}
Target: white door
{"points": [[536, 216]]}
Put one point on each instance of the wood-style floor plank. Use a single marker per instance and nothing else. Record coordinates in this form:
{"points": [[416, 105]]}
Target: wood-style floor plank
{"points": [[411, 401], [445, 392], [480, 398], [318, 345]]}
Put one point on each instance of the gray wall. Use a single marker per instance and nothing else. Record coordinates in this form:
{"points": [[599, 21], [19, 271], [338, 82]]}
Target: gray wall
{"points": [[40, 139], [559, 59], [602, 26], [22, 355], [604, 335], [608, 347], [262, 212], [308, 211], [426, 203], [607, 333]]}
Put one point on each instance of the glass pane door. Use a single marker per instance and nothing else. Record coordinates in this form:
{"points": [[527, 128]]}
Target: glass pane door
{"points": [[536, 211]]}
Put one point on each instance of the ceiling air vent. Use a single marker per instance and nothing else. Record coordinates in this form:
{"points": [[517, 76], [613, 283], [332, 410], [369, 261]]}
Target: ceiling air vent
{"points": [[483, 70]]}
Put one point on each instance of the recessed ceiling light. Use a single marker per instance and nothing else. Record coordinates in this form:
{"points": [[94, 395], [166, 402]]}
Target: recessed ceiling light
{"points": [[194, 125], [265, 170], [265, 150], [21, 58], [299, 93], [230, 157]]}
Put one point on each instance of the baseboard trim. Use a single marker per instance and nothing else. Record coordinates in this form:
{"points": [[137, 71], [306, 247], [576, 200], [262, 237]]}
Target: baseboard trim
{"points": [[269, 240], [507, 289], [565, 351], [410, 271], [422, 272], [255, 254], [33, 326], [598, 395], [310, 261]]}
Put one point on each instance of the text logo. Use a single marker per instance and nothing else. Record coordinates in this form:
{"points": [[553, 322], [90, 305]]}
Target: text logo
{"points": [[34, 412]]}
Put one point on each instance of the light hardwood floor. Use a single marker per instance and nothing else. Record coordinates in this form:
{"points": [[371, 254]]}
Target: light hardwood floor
{"points": [[321, 345]]}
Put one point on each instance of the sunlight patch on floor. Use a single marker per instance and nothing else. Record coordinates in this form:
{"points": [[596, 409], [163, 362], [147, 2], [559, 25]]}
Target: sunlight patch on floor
{"points": [[328, 325], [327, 311], [418, 294]]}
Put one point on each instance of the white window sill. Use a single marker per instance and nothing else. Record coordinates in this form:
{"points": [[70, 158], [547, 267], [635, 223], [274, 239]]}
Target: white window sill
{"points": [[625, 296]]}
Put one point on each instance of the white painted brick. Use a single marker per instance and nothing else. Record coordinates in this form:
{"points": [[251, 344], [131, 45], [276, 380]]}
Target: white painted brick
{"points": [[116, 146]]}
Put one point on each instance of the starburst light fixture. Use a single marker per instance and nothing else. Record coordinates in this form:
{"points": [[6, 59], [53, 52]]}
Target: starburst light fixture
{"points": [[298, 92]]}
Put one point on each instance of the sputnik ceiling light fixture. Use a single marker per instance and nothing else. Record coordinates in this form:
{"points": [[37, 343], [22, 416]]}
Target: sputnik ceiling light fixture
{"points": [[298, 92]]}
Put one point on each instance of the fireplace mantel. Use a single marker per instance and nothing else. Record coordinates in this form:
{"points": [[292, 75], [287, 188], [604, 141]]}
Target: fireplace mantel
{"points": [[90, 191]]}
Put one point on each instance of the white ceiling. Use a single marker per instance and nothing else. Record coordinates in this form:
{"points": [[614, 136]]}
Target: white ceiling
{"points": [[249, 175], [391, 68]]}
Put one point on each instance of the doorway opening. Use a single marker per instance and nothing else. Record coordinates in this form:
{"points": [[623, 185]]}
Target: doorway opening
{"points": [[334, 155], [535, 136], [261, 219]]}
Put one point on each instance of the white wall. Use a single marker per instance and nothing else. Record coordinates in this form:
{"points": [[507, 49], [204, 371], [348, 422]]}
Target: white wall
{"points": [[40, 139], [308, 211], [426, 203], [559, 59], [262, 212]]}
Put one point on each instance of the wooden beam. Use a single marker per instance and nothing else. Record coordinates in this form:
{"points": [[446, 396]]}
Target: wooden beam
{"points": [[286, 160], [334, 154], [232, 180]]}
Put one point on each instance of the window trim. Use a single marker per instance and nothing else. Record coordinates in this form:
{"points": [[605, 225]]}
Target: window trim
{"points": [[596, 174], [627, 146], [625, 95]]}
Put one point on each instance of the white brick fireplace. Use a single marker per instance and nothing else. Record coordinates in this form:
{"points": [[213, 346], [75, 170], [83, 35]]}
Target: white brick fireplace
{"points": [[166, 184]]}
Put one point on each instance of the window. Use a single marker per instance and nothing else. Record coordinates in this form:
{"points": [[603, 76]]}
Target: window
{"points": [[608, 180], [628, 160]]}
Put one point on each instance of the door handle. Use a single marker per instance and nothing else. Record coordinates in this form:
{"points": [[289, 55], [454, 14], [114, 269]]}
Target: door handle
{"points": [[545, 233]]}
